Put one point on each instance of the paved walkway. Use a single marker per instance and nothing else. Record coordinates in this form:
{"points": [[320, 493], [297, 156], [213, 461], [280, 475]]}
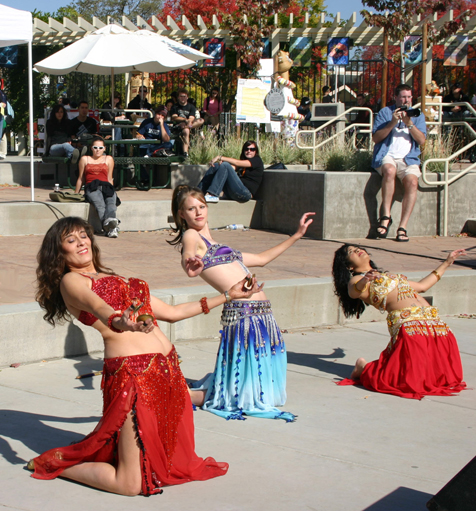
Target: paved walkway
{"points": [[349, 450], [146, 254]]}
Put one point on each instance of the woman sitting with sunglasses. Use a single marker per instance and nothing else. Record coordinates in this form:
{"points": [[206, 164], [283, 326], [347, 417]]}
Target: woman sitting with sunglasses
{"points": [[95, 173], [238, 179]]}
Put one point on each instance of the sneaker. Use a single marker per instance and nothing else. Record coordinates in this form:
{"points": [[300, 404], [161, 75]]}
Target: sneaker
{"points": [[110, 223], [75, 156], [211, 198], [113, 233], [84, 150], [185, 155]]}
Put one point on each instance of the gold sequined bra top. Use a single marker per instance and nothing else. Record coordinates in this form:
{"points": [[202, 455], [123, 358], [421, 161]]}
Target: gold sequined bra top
{"points": [[119, 294], [384, 284]]}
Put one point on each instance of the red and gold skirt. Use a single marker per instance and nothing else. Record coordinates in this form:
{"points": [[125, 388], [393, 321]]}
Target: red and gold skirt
{"points": [[421, 359], [153, 388]]}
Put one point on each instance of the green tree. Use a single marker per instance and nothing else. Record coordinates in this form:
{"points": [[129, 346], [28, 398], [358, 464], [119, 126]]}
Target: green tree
{"points": [[116, 8]]}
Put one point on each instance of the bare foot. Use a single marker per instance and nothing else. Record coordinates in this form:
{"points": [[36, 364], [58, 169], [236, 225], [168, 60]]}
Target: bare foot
{"points": [[359, 367], [197, 396]]}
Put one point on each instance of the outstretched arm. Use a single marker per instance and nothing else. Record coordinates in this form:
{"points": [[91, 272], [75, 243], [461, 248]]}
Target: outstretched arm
{"points": [[173, 313], [269, 255], [430, 280]]}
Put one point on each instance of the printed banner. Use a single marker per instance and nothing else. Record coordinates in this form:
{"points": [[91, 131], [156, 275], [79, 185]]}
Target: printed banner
{"points": [[338, 51], [8, 56], [412, 49], [215, 47], [456, 53], [300, 51]]}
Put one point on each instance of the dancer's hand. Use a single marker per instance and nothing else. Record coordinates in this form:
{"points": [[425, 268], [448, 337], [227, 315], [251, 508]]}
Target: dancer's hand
{"points": [[304, 223], [194, 266], [454, 255], [127, 325], [240, 291]]}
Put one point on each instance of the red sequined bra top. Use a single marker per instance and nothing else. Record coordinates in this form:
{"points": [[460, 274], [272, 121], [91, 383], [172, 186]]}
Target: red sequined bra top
{"points": [[119, 293]]}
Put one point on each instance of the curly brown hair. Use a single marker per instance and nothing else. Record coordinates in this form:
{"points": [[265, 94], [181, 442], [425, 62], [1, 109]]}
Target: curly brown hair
{"points": [[52, 267], [179, 196]]}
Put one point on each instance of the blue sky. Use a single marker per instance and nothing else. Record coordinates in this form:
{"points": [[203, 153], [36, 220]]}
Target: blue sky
{"points": [[345, 7]]}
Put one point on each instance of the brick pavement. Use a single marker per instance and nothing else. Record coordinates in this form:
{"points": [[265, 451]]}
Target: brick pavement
{"points": [[146, 254]]}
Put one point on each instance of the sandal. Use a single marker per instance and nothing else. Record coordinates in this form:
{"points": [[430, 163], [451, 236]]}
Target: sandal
{"points": [[383, 235], [401, 235]]}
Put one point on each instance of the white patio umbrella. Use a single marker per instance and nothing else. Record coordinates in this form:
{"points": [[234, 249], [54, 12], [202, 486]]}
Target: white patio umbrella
{"points": [[113, 49]]}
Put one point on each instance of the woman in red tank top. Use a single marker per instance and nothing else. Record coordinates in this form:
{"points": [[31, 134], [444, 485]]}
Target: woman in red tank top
{"points": [[95, 173]]}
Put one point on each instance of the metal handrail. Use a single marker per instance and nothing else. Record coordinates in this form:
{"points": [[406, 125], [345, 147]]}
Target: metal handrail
{"points": [[338, 133]]}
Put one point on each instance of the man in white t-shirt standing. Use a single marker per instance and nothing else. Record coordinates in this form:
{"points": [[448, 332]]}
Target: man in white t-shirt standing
{"points": [[397, 137]]}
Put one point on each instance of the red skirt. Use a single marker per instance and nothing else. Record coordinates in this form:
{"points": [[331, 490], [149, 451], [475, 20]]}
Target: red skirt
{"points": [[153, 388], [421, 360]]}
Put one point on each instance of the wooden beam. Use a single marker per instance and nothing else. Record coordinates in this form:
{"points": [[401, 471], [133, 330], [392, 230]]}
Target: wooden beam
{"points": [[186, 23], [41, 25], [127, 23], [201, 23], [351, 22], [85, 25], [171, 23], [142, 24], [70, 25], [98, 23], [56, 25]]}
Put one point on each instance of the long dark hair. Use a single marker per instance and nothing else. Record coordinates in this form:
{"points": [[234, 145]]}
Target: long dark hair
{"points": [[247, 144], [62, 125], [52, 267], [179, 196], [342, 275]]}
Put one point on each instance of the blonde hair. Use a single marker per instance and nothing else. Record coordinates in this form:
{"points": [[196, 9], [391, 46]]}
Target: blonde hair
{"points": [[180, 195]]}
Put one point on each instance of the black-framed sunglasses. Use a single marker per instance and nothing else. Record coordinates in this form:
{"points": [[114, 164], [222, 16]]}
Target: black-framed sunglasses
{"points": [[250, 148], [98, 147]]}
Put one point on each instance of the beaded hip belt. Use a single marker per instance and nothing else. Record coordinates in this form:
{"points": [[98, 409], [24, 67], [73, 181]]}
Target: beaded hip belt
{"points": [[240, 309]]}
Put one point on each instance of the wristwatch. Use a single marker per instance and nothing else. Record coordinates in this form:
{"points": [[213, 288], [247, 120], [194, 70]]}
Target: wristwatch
{"points": [[410, 126]]}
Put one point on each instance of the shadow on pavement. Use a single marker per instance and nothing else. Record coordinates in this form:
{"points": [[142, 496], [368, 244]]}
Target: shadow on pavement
{"points": [[29, 429], [323, 363], [402, 498]]}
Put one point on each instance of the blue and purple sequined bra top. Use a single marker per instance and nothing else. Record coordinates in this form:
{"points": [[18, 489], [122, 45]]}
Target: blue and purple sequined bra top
{"points": [[220, 254]]}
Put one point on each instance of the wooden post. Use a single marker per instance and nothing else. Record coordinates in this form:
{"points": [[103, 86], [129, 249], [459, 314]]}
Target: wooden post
{"points": [[384, 68], [424, 37]]}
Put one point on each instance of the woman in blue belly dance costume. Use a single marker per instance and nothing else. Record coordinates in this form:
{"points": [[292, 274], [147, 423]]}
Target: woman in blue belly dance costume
{"points": [[250, 371], [422, 357]]}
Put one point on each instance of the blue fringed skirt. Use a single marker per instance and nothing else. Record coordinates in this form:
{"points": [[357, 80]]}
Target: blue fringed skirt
{"points": [[250, 372]]}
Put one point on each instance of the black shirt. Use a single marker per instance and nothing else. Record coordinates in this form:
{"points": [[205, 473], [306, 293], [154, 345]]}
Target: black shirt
{"points": [[252, 176], [186, 111], [135, 103], [79, 128]]}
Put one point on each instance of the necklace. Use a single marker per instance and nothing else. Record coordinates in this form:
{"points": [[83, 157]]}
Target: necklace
{"points": [[91, 273]]}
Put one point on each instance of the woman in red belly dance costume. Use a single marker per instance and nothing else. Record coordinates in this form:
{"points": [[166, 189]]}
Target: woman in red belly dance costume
{"points": [[145, 439], [422, 357], [250, 371]]}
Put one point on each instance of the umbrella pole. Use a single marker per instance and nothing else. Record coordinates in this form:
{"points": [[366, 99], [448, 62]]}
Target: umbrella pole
{"points": [[30, 101], [113, 106]]}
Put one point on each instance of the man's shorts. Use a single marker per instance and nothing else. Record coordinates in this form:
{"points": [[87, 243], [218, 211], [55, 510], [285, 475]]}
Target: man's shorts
{"points": [[403, 169]]}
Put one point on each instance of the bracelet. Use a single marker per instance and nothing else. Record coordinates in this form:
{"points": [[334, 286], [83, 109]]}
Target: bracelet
{"points": [[437, 275], [227, 297], [110, 320], [364, 289], [204, 305]]}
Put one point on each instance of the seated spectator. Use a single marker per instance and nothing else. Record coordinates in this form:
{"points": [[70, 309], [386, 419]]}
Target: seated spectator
{"points": [[83, 127], [212, 108], [140, 103], [238, 179], [363, 116], [168, 105], [455, 96], [155, 129], [95, 173], [327, 96], [59, 131], [305, 109], [184, 116], [111, 117]]}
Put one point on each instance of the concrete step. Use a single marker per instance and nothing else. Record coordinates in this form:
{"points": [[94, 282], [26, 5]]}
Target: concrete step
{"points": [[19, 219]]}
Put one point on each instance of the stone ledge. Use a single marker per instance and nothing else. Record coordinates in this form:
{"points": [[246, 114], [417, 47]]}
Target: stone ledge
{"points": [[297, 303]]}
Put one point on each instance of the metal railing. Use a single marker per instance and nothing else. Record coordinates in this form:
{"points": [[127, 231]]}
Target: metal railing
{"points": [[447, 180], [318, 142]]}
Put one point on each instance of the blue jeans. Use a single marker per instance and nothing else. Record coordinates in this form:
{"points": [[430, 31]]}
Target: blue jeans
{"points": [[105, 207], [65, 149], [223, 177]]}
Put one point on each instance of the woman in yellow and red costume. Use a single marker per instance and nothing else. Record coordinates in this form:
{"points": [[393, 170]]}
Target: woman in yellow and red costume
{"points": [[145, 439], [422, 357]]}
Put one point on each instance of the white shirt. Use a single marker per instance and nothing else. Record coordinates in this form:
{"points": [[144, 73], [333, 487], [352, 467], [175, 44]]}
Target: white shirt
{"points": [[401, 141]]}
